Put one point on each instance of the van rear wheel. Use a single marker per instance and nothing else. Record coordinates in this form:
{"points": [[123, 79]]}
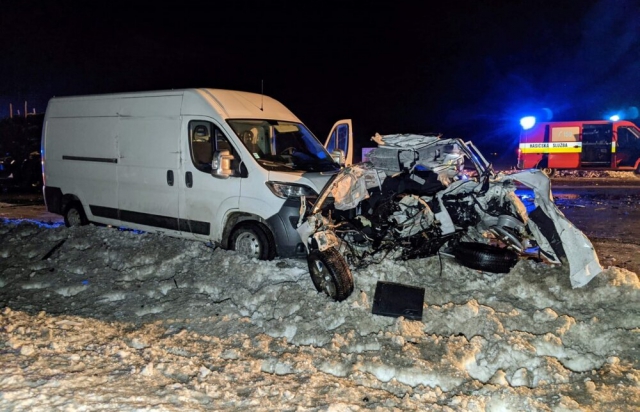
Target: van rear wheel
{"points": [[252, 240], [74, 215]]}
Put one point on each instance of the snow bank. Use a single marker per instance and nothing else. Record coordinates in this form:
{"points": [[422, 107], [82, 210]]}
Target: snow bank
{"points": [[117, 320]]}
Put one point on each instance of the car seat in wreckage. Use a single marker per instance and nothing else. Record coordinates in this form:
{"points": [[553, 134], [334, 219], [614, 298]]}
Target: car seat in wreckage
{"points": [[558, 239]]}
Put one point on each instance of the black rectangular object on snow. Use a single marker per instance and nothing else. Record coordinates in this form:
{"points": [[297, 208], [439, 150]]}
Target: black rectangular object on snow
{"points": [[396, 299]]}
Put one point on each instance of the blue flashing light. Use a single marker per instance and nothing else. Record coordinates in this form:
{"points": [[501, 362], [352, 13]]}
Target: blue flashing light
{"points": [[614, 118], [527, 122]]}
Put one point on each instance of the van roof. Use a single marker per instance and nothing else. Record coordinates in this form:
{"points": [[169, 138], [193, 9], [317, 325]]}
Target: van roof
{"points": [[229, 104], [235, 104], [540, 126], [580, 122]]}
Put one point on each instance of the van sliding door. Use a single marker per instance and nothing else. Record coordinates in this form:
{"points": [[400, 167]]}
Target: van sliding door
{"points": [[596, 145], [149, 155]]}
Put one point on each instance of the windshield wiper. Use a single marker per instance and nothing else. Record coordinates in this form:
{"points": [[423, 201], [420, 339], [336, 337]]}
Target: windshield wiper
{"points": [[274, 164]]}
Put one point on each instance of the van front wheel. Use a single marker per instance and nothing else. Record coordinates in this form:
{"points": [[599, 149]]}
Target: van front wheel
{"points": [[252, 240], [74, 215], [330, 273]]}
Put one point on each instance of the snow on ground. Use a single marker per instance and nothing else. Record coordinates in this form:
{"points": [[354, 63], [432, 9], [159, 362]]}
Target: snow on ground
{"points": [[585, 174], [95, 318], [609, 174]]}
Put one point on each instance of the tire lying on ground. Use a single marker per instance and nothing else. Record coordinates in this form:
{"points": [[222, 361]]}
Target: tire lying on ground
{"points": [[330, 273], [485, 257]]}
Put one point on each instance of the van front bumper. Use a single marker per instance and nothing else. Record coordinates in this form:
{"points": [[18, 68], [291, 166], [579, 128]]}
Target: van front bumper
{"points": [[283, 224]]}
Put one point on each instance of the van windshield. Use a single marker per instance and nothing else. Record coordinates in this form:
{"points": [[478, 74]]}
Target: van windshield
{"points": [[283, 146]]}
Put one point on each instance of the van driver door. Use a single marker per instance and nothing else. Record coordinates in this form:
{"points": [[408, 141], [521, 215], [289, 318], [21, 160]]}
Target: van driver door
{"points": [[628, 147], [205, 199], [341, 138]]}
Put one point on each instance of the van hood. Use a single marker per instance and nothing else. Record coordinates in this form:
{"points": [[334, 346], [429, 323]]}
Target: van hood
{"points": [[315, 180]]}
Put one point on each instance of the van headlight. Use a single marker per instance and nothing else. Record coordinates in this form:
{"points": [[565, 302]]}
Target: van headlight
{"points": [[287, 190]]}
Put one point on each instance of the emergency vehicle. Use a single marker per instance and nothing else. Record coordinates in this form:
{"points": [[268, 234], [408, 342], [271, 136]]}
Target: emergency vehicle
{"points": [[584, 145]]}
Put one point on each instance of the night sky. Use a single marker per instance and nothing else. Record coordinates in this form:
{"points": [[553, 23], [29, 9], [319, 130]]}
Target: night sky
{"points": [[467, 69]]}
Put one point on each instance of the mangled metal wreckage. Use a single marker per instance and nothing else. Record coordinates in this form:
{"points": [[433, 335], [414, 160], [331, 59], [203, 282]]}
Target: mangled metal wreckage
{"points": [[420, 196]]}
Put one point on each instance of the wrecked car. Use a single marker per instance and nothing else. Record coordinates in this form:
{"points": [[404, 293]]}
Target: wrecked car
{"points": [[21, 172], [424, 195]]}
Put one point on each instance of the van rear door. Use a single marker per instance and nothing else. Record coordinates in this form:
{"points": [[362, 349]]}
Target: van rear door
{"points": [[341, 138]]}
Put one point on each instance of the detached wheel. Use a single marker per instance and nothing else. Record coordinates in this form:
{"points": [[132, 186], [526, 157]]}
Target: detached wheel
{"points": [[74, 215], [252, 240], [330, 273], [485, 257]]}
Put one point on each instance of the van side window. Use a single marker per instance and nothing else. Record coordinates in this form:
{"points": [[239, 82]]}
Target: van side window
{"points": [[626, 137], [204, 139], [201, 145], [339, 141], [222, 143]]}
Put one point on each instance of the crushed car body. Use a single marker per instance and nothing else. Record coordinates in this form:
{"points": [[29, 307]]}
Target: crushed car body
{"points": [[422, 195]]}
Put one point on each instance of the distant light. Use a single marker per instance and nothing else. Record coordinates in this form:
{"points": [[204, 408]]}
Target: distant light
{"points": [[614, 118], [527, 122]]}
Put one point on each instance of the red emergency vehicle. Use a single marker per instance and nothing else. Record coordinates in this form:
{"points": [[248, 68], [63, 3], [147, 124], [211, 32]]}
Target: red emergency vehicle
{"points": [[584, 145]]}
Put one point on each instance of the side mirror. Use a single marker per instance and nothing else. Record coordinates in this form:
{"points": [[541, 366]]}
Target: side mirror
{"points": [[221, 164], [338, 156]]}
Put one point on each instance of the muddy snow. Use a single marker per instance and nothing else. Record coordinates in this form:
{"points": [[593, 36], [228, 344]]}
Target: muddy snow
{"points": [[96, 318]]}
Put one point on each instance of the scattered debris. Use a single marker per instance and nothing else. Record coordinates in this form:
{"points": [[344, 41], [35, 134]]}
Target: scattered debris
{"points": [[54, 249], [419, 196]]}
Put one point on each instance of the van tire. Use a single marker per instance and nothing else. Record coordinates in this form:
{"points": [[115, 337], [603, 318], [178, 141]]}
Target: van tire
{"points": [[252, 240], [74, 215], [487, 258], [330, 273]]}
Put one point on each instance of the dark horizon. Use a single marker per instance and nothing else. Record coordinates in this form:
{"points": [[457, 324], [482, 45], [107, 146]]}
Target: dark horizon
{"points": [[468, 69]]}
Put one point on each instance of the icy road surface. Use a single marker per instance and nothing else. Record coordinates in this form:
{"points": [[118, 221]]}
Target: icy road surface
{"points": [[94, 318]]}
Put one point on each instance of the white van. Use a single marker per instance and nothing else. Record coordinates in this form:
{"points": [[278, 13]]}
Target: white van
{"points": [[207, 164]]}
